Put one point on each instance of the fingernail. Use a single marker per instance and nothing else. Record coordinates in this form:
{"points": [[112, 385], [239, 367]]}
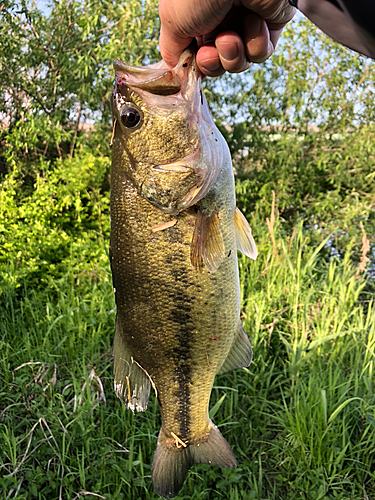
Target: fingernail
{"points": [[210, 65], [228, 51]]}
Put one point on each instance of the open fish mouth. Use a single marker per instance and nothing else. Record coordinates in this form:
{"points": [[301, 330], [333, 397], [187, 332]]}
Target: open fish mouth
{"points": [[159, 79]]}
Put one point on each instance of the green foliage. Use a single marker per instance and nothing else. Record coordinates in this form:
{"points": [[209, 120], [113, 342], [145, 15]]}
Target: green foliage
{"points": [[326, 181], [301, 125], [310, 80], [41, 234], [56, 67], [300, 419]]}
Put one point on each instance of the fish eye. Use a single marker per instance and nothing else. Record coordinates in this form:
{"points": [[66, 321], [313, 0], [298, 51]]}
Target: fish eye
{"points": [[130, 117]]}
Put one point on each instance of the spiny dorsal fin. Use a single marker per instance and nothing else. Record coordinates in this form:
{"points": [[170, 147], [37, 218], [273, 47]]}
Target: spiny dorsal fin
{"points": [[241, 352], [132, 385], [244, 239], [207, 245]]}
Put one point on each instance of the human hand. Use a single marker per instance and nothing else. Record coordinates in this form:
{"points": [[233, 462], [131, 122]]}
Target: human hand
{"points": [[230, 33]]}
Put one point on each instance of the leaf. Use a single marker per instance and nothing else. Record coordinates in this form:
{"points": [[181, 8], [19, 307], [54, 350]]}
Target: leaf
{"points": [[341, 407], [216, 406]]}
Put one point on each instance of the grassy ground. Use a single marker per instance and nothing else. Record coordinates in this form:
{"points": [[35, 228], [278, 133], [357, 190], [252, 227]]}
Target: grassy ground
{"points": [[300, 420]]}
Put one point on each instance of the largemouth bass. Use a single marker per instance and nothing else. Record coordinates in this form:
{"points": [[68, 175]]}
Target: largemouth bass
{"points": [[175, 231]]}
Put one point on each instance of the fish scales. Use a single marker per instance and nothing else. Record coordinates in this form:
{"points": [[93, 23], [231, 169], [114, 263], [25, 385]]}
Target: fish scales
{"points": [[169, 314], [177, 288]]}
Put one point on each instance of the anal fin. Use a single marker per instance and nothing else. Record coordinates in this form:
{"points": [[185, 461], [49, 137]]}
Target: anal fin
{"points": [[241, 352], [132, 383], [244, 239], [207, 246]]}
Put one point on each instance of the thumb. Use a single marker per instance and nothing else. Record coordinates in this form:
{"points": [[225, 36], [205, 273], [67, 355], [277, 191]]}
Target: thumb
{"points": [[172, 46]]}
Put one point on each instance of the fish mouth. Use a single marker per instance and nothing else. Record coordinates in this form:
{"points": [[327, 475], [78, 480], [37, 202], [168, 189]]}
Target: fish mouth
{"points": [[158, 84], [159, 79], [155, 80]]}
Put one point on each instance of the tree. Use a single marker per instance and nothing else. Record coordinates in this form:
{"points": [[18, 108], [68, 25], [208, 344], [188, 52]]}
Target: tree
{"points": [[56, 68], [302, 125]]}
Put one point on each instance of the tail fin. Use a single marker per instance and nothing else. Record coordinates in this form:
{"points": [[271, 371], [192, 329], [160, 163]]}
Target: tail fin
{"points": [[172, 460]]}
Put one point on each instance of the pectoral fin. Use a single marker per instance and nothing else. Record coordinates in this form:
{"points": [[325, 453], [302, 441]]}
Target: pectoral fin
{"points": [[132, 383], [244, 239], [241, 352], [207, 246]]}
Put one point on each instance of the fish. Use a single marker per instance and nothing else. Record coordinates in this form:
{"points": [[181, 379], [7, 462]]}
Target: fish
{"points": [[175, 232]]}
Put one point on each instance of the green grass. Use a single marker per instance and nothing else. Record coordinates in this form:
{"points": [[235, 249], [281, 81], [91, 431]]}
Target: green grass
{"points": [[300, 419]]}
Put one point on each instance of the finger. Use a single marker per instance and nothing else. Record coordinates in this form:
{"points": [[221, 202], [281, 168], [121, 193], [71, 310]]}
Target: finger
{"points": [[277, 12], [275, 32], [208, 60], [182, 20], [171, 47], [231, 52], [257, 39]]}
